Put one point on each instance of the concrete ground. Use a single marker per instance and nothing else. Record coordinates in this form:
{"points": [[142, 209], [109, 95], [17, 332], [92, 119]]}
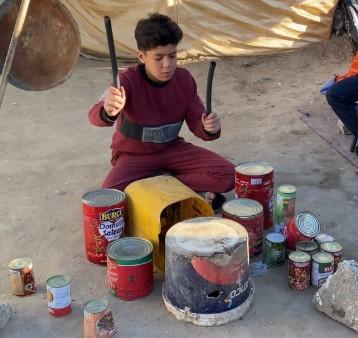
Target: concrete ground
{"points": [[50, 156]]}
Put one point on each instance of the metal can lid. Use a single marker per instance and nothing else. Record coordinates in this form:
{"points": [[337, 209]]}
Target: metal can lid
{"points": [[307, 246], [308, 224], [287, 189], [130, 251], [58, 281], [243, 207], [96, 305], [20, 263], [254, 168], [299, 257], [103, 197], [322, 257], [321, 238], [276, 237], [331, 246]]}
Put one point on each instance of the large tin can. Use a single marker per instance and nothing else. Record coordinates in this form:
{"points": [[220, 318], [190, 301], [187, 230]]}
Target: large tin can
{"points": [[299, 270], [309, 247], [104, 220], [335, 249], [130, 268], [98, 319], [254, 180], [322, 268], [22, 279], [285, 206], [275, 250], [305, 226], [248, 213], [59, 295]]}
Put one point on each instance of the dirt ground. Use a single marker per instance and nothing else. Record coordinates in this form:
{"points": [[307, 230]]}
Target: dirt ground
{"points": [[51, 155]]}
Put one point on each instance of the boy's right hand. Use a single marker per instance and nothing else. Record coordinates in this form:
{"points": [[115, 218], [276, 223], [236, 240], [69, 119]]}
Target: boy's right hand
{"points": [[114, 101]]}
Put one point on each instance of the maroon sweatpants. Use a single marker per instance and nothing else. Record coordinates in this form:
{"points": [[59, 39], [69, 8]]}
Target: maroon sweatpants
{"points": [[198, 168]]}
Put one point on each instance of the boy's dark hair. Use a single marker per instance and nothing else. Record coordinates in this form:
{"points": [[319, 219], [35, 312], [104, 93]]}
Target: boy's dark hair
{"points": [[157, 30]]}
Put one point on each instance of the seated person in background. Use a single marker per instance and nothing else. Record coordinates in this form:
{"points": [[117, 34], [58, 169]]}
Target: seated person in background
{"points": [[148, 110]]}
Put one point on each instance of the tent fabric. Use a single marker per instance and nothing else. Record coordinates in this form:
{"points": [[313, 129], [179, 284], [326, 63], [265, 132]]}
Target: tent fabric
{"points": [[211, 27]]}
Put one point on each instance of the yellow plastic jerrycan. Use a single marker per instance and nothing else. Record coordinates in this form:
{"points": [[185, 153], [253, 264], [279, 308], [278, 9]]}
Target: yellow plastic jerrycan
{"points": [[157, 203]]}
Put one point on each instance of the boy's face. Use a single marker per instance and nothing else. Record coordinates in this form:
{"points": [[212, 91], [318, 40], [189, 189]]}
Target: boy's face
{"points": [[160, 62]]}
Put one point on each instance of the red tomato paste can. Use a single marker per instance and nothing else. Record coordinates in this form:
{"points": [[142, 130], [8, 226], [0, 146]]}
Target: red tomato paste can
{"points": [[59, 295], [335, 249], [303, 227], [22, 276], [98, 319], [104, 220], [299, 270], [130, 268], [248, 213], [254, 180]]}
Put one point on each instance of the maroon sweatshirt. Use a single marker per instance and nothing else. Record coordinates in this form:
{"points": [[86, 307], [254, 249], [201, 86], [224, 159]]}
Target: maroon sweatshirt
{"points": [[151, 104]]}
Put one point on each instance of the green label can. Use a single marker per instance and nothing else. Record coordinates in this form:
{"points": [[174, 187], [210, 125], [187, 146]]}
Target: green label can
{"points": [[275, 249], [285, 206], [322, 268]]}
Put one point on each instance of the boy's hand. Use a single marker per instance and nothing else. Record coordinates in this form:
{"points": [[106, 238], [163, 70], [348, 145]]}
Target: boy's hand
{"points": [[211, 123], [114, 101]]}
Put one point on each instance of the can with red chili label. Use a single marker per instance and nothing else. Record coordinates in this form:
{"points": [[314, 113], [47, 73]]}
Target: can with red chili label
{"points": [[248, 213], [22, 277], [299, 270], [254, 180], [305, 226], [104, 219]]}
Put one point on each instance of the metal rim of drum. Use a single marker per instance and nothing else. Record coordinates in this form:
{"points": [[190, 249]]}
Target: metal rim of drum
{"points": [[96, 306], [103, 197], [306, 246], [19, 263], [243, 208], [299, 257], [287, 189], [333, 247], [183, 236], [58, 281], [254, 168], [130, 251], [275, 237], [308, 224], [323, 257]]}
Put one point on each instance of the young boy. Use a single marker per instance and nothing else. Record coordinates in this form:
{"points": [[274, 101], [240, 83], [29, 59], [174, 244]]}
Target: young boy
{"points": [[148, 110]]}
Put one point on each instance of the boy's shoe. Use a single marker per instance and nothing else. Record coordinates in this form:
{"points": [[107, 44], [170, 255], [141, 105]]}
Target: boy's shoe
{"points": [[218, 202]]}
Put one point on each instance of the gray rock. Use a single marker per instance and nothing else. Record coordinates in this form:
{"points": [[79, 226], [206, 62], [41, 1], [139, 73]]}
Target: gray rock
{"points": [[338, 296], [5, 314]]}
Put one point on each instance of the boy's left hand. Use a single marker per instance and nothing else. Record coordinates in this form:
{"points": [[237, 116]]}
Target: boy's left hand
{"points": [[211, 123]]}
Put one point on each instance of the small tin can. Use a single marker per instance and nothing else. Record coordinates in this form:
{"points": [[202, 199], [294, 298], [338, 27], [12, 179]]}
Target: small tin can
{"points": [[248, 213], [98, 319], [304, 226], [285, 206], [275, 251], [22, 279], [321, 238], [309, 247], [254, 180], [335, 249], [130, 268], [104, 220], [322, 268], [59, 295], [299, 270]]}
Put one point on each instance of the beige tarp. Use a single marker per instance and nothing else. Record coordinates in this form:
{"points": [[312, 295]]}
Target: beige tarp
{"points": [[211, 27]]}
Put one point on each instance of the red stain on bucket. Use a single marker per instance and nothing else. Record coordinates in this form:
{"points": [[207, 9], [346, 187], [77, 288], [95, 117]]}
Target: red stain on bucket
{"points": [[104, 221], [130, 268], [304, 227], [254, 180]]}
